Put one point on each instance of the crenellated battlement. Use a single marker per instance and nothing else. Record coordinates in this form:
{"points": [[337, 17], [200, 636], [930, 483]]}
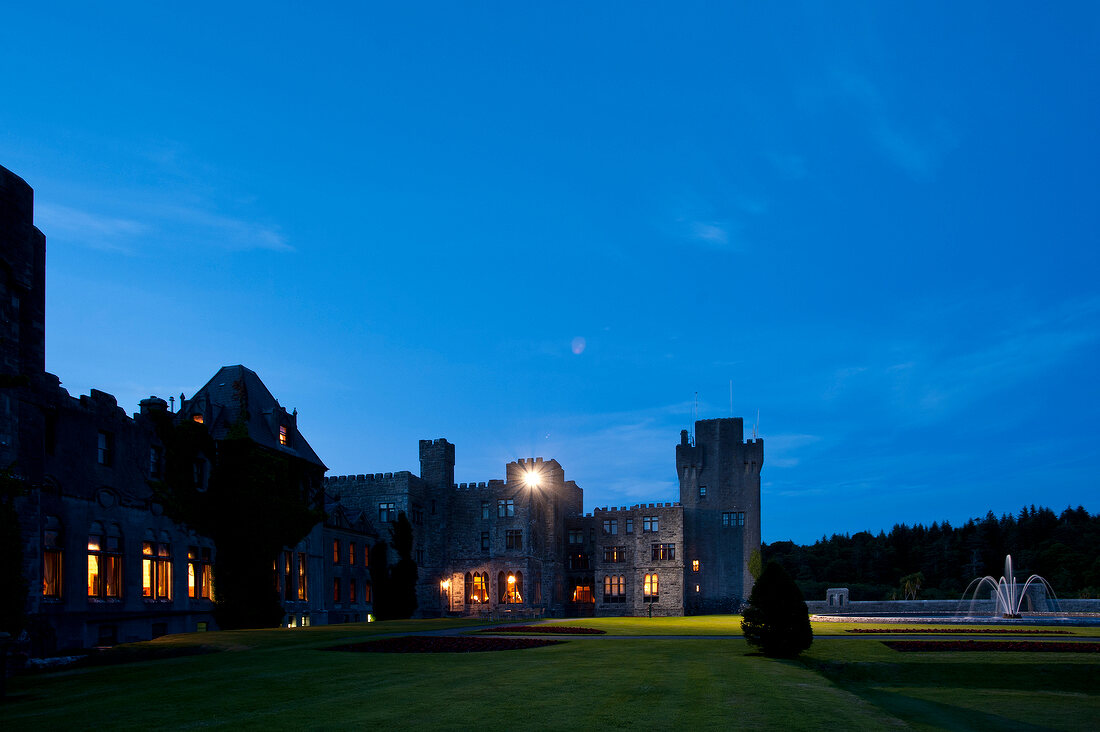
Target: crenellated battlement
{"points": [[365, 478], [635, 507], [483, 485]]}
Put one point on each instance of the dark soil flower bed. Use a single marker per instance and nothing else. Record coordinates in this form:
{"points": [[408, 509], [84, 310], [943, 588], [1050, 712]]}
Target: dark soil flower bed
{"points": [[443, 644], [532, 629], [1028, 646], [968, 631]]}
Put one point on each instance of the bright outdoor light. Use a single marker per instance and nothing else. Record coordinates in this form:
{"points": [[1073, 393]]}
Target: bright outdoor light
{"points": [[511, 579], [531, 479]]}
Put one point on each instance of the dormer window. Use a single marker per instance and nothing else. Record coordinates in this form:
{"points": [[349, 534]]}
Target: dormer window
{"points": [[284, 438]]}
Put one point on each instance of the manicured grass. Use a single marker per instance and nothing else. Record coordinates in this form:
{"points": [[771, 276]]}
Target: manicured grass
{"points": [[282, 680]]}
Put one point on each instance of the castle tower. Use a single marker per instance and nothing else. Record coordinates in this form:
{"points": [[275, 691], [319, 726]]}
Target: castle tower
{"points": [[720, 491], [22, 325]]}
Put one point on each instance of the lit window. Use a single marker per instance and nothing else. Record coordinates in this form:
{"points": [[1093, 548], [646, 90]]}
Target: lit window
{"points": [[51, 561], [479, 588], [302, 594], [506, 508], [694, 565], [611, 526], [200, 573], [510, 587], [335, 551], [366, 592], [156, 570], [351, 552], [284, 438], [614, 588], [387, 512], [614, 554], [484, 541], [104, 448], [583, 593], [288, 576], [366, 555], [650, 523], [663, 551], [630, 526], [197, 418], [649, 588], [696, 588], [336, 590], [104, 564], [513, 539]]}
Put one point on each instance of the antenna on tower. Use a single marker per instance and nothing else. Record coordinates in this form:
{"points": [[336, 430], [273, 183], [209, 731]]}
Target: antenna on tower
{"points": [[757, 424], [731, 397], [694, 417]]}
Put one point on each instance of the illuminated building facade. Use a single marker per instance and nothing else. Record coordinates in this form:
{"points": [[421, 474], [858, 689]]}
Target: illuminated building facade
{"points": [[105, 564]]}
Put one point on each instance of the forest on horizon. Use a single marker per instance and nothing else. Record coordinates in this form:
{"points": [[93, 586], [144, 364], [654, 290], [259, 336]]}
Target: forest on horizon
{"points": [[1063, 548]]}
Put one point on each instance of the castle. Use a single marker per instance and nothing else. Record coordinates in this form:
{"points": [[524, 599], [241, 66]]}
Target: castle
{"points": [[106, 565]]}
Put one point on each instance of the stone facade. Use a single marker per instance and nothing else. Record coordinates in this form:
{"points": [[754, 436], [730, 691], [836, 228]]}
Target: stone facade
{"points": [[106, 565]]}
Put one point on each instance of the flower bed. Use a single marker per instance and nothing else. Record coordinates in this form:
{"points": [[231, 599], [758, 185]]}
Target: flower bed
{"points": [[532, 629], [1028, 646], [443, 644], [969, 631]]}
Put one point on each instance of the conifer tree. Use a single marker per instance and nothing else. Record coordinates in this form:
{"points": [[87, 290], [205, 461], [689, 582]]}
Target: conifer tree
{"points": [[776, 619]]}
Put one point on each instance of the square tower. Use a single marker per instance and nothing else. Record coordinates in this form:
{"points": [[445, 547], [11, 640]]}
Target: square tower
{"points": [[720, 491]]}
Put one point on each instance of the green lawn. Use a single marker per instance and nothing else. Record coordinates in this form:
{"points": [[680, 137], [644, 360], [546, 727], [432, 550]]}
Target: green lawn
{"points": [[281, 679]]}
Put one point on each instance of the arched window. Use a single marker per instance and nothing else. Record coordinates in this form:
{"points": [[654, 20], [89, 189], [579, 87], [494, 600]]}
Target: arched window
{"points": [[51, 558], [104, 562], [468, 588], [511, 587], [614, 588], [156, 567], [649, 588], [479, 595]]}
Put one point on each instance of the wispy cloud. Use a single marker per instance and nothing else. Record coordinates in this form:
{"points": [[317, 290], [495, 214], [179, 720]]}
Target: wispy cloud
{"points": [[155, 226], [110, 233], [917, 152], [715, 233]]}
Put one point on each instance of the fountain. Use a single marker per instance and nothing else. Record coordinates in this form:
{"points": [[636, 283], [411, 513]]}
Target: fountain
{"points": [[1007, 594]]}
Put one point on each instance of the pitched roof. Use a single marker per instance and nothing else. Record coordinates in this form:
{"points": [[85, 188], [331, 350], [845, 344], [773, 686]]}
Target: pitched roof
{"points": [[235, 390]]}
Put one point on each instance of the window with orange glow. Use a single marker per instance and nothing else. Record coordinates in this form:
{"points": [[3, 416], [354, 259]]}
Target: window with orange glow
{"points": [[302, 595], [200, 573], [614, 588], [335, 551], [351, 552], [510, 586], [336, 590], [51, 565], [156, 570], [284, 437], [104, 565], [583, 593], [649, 588], [197, 418], [694, 565], [478, 588]]}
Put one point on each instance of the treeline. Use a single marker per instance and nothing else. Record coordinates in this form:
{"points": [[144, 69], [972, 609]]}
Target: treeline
{"points": [[1063, 549]]}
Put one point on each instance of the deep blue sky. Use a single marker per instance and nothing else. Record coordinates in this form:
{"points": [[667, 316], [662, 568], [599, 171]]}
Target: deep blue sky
{"points": [[880, 222]]}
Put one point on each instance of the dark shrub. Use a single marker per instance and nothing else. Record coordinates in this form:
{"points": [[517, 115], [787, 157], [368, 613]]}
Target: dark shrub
{"points": [[776, 619]]}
